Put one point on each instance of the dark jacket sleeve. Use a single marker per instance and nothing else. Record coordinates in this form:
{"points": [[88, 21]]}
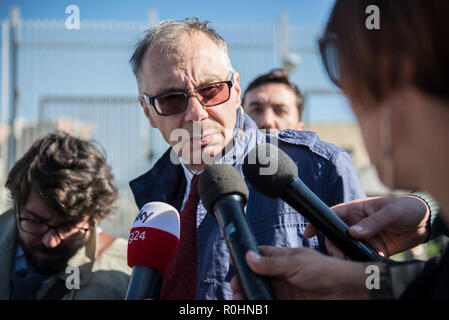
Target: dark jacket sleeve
{"points": [[432, 282], [414, 279], [438, 227]]}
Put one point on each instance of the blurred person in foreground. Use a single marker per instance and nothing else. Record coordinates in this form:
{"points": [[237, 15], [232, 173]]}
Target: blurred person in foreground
{"points": [[274, 102], [189, 90], [396, 80], [50, 245]]}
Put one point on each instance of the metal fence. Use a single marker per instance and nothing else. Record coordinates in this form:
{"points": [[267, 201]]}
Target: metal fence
{"points": [[81, 78]]}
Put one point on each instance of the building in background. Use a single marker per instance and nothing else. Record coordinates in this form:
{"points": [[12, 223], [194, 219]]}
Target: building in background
{"points": [[26, 134]]}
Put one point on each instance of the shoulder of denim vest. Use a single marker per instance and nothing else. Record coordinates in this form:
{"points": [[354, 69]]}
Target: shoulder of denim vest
{"points": [[311, 141], [152, 185]]}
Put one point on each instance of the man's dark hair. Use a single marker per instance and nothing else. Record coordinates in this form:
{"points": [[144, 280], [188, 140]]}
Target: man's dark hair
{"points": [[277, 76], [70, 174]]}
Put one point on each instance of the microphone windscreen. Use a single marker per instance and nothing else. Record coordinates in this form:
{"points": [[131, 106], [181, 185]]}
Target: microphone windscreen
{"points": [[154, 236], [269, 169], [218, 180]]}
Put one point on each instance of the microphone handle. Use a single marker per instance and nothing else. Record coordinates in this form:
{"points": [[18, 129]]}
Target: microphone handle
{"points": [[142, 284], [301, 198], [240, 238]]}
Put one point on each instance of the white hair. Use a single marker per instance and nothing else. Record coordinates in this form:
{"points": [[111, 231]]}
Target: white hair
{"points": [[167, 36]]}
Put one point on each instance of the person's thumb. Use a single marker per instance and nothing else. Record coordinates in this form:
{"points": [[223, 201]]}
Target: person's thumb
{"points": [[372, 225], [310, 231], [273, 265]]}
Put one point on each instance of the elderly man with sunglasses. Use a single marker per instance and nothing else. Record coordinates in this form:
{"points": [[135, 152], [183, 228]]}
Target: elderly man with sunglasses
{"points": [[190, 92], [50, 247]]}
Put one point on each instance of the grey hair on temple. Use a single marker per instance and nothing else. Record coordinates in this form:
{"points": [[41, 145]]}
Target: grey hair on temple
{"points": [[166, 36]]}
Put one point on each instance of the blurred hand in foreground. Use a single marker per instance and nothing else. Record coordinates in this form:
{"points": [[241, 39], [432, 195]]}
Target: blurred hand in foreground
{"points": [[302, 273]]}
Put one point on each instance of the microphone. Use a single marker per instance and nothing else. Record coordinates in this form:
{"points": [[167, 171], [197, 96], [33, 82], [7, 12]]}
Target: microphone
{"points": [[152, 244], [224, 194], [284, 183]]}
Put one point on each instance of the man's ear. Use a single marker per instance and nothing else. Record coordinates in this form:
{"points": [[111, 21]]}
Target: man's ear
{"points": [[237, 88], [146, 110], [300, 126]]}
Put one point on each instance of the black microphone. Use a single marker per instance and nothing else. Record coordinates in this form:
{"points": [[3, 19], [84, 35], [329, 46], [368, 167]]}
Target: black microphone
{"points": [[224, 194], [152, 245], [274, 174]]}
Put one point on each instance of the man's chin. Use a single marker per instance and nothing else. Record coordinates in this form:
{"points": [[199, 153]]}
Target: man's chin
{"points": [[211, 153], [47, 262], [203, 156]]}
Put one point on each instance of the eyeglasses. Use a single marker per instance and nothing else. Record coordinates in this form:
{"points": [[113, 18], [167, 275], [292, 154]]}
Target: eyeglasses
{"points": [[39, 228], [169, 104], [329, 56]]}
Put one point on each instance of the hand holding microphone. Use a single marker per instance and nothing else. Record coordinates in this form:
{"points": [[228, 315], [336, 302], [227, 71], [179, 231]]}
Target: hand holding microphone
{"points": [[285, 184], [152, 245], [389, 224], [303, 273]]}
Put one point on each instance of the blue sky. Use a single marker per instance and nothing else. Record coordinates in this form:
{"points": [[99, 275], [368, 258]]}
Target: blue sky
{"points": [[311, 13]]}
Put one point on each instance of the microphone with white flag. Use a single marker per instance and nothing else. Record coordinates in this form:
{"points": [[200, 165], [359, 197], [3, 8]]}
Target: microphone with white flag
{"points": [[152, 244]]}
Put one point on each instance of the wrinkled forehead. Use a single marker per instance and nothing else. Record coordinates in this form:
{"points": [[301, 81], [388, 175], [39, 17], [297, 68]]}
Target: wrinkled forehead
{"points": [[194, 60]]}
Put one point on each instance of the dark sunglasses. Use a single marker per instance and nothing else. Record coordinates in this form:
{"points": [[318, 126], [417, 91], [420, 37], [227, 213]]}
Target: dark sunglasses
{"points": [[329, 56], [209, 95]]}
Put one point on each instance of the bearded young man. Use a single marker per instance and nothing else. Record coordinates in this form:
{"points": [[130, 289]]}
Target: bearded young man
{"points": [[50, 245]]}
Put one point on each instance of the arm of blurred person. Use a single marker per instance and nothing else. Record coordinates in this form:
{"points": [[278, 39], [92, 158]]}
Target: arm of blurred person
{"points": [[302, 273], [389, 224]]}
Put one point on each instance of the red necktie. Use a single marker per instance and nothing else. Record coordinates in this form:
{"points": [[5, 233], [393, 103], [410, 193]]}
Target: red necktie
{"points": [[179, 281]]}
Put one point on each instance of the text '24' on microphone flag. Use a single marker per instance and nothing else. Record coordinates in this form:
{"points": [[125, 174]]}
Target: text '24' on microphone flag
{"points": [[154, 236]]}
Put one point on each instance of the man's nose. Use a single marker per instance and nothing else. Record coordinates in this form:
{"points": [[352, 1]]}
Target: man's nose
{"points": [[195, 110], [51, 239], [267, 119]]}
